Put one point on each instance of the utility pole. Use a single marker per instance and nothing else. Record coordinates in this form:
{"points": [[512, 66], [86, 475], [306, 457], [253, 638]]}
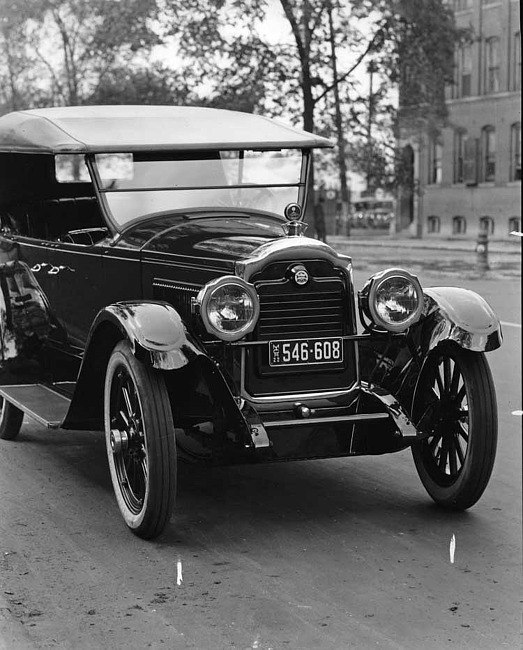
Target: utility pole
{"points": [[342, 164], [371, 69]]}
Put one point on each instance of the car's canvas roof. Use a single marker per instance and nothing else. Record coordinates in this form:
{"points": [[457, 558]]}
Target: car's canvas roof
{"points": [[80, 129]]}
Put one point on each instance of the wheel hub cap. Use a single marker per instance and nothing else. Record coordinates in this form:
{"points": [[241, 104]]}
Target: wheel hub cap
{"points": [[119, 441]]}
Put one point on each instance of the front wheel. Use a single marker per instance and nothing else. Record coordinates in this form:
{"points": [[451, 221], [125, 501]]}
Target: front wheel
{"points": [[11, 419], [457, 391], [140, 442]]}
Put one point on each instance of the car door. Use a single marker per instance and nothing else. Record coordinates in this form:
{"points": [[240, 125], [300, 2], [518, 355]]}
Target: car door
{"points": [[76, 288]]}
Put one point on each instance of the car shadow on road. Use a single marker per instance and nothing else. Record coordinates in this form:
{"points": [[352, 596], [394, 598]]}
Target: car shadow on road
{"points": [[383, 494]]}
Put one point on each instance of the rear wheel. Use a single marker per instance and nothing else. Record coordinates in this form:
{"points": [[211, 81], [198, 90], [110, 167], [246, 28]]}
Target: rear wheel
{"points": [[140, 442], [11, 419], [455, 462]]}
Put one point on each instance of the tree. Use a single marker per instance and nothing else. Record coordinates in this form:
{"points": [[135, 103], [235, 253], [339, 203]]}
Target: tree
{"points": [[419, 41], [17, 70], [154, 84], [227, 63], [73, 44]]}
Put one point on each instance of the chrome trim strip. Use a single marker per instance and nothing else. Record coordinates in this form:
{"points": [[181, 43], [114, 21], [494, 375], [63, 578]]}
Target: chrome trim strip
{"points": [[180, 286], [341, 418], [109, 254]]}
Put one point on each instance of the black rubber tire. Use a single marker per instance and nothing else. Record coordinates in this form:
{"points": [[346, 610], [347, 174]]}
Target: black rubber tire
{"points": [[11, 419], [140, 442], [456, 462]]}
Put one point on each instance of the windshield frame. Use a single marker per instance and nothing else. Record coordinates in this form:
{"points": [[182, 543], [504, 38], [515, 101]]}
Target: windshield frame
{"points": [[117, 228]]}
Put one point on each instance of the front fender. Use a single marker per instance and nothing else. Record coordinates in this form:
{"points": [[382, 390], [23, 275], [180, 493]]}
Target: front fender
{"points": [[155, 332], [157, 337], [462, 316]]}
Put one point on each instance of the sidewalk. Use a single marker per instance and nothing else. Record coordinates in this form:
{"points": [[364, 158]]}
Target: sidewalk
{"points": [[357, 238]]}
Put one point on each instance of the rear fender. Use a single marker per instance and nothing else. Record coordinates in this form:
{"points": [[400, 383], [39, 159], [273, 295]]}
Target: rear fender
{"points": [[25, 323]]}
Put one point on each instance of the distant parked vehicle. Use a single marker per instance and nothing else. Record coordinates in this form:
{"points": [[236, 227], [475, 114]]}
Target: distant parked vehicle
{"points": [[155, 284], [372, 213]]}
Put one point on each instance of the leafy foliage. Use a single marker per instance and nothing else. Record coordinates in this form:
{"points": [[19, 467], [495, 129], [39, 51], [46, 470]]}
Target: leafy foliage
{"points": [[154, 84], [70, 45], [222, 55]]}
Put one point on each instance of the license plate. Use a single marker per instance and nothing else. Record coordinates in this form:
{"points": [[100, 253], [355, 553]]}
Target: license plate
{"points": [[303, 352]]}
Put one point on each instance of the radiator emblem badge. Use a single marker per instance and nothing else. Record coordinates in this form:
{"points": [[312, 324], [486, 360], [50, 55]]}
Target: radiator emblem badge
{"points": [[300, 275]]}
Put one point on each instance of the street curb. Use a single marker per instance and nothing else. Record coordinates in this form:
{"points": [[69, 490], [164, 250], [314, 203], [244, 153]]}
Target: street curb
{"points": [[12, 633]]}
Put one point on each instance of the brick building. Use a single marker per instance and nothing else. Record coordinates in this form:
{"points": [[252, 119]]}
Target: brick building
{"points": [[468, 177]]}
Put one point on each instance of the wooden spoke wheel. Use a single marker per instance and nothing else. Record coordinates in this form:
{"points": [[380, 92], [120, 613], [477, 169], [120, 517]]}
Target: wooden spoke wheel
{"points": [[455, 462], [140, 442]]}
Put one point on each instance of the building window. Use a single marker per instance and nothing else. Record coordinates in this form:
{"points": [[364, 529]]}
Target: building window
{"points": [[515, 152], [459, 225], [464, 71], [492, 65], [516, 62], [488, 142], [461, 5], [471, 171], [514, 225], [435, 153], [486, 224], [460, 135], [433, 224]]}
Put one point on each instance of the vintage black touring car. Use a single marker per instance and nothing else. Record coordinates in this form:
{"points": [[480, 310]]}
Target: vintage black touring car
{"points": [[156, 284]]}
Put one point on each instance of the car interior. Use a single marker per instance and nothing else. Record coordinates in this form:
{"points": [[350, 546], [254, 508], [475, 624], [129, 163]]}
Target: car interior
{"points": [[67, 212]]}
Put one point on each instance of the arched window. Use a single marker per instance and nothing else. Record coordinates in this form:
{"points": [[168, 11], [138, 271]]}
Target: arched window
{"points": [[486, 224], [433, 224], [460, 136], [492, 65], [514, 224], [459, 225], [515, 152], [488, 142]]}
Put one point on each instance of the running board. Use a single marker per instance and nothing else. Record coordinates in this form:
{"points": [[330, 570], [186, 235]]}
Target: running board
{"points": [[42, 403]]}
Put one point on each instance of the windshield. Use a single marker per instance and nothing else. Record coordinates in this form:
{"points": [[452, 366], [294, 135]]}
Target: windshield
{"points": [[138, 185]]}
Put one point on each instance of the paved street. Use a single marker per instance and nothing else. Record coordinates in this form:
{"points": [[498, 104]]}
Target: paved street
{"points": [[320, 555]]}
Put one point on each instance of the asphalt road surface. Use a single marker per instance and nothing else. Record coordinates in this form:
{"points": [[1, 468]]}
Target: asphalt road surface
{"points": [[319, 555]]}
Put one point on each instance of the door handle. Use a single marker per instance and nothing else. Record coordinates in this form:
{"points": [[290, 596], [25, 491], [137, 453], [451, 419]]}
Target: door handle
{"points": [[55, 270]]}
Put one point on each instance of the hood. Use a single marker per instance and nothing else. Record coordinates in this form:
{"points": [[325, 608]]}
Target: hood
{"points": [[229, 237]]}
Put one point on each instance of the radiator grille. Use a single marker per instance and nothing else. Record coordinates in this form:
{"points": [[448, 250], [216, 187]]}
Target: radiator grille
{"points": [[315, 311]]}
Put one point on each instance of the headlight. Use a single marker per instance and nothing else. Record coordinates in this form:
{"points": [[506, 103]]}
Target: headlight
{"points": [[392, 299], [229, 308]]}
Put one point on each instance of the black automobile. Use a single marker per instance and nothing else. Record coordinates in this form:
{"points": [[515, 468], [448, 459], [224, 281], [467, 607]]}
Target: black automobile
{"points": [[156, 284]]}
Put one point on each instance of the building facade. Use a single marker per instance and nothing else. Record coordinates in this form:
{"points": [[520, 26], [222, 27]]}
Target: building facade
{"points": [[468, 176]]}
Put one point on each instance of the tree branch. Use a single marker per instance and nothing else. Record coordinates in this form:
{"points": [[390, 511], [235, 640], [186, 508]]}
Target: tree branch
{"points": [[370, 46]]}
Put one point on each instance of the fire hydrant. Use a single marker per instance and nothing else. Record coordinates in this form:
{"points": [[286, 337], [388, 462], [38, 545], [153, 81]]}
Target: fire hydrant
{"points": [[482, 252]]}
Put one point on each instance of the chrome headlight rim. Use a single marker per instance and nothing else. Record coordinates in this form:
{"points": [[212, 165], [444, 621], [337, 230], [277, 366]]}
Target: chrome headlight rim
{"points": [[371, 289], [205, 295]]}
